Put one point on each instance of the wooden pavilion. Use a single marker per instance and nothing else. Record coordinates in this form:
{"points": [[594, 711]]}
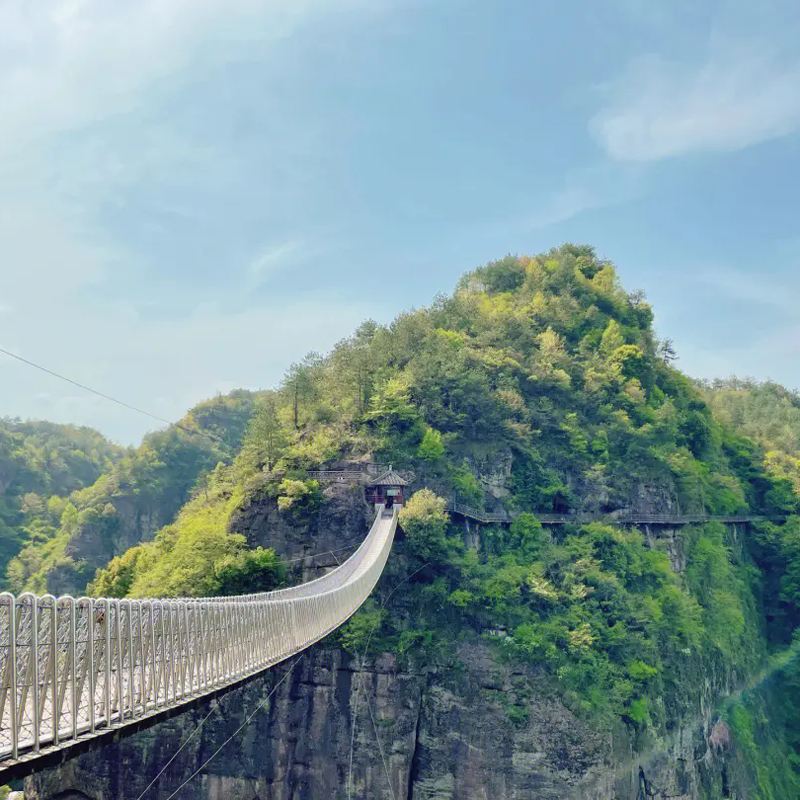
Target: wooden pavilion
{"points": [[386, 488]]}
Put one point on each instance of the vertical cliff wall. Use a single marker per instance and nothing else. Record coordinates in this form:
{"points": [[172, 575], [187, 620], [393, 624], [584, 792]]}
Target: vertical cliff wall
{"points": [[477, 733]]}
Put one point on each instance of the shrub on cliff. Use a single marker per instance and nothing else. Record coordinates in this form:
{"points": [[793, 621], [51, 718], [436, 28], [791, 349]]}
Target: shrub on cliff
{"points": [[424, 519]]}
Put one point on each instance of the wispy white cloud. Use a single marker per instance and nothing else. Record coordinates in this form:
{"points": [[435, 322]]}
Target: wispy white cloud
{"points": [[87, 88], [272, 258], [277, 258], [586, 189], [73, 62], [707, 322], [740, 89], [752, 287]]}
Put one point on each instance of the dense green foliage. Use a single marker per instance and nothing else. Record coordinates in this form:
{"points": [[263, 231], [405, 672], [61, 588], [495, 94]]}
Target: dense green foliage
{"points": [[60, 539], [538, 386], [42, 463], [766, 413]]}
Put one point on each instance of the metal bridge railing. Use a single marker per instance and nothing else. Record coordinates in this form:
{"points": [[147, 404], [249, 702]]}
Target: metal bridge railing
{"points": [[70, 667]]}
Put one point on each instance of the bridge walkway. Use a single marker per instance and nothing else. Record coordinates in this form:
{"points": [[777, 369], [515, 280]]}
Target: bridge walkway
{"points": [[73, 669]]}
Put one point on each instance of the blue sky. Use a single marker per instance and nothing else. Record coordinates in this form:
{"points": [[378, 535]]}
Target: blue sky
{"points": [[194, 194]]}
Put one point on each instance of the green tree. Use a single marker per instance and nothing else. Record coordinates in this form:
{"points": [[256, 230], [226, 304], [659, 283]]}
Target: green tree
{"points": [[527, 535], [299, 385], [431, 447], [424, 519], [266, 437]]}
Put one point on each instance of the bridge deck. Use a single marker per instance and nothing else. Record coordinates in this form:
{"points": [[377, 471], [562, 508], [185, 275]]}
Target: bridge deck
{"points": [[72, 669]]}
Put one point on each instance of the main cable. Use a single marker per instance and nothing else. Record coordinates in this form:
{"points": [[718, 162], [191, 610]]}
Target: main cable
{"points": [[108, 396], [360, 682], [186, 741], [236, 732]]}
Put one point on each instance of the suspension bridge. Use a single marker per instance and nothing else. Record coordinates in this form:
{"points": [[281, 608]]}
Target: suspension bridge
{"points": [[75, 670]]}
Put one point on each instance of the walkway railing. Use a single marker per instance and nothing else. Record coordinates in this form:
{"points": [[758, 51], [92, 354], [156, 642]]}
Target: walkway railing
{"points": [[488, 517], [72, 667], [338, 475]]}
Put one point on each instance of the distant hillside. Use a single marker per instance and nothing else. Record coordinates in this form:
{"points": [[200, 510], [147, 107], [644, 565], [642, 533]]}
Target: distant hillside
{"points": [[75, 511], [765, 412], [40, 460]]}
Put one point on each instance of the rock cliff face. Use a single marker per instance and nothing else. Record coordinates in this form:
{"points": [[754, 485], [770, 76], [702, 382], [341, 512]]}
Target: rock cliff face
{"points": [[313, 545], [479, 731], [444, 736]]}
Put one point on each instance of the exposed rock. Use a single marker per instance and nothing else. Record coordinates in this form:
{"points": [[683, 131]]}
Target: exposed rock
{"points": [[94, 545], [671, 541], [492, 468], [444, 736], [335, 531]]}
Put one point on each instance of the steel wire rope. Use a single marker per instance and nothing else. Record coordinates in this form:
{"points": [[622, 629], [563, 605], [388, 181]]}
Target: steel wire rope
{"points": [[314, 555], [225, 743], [380, 749], [361, 680], [186, 741], [83, 386]]}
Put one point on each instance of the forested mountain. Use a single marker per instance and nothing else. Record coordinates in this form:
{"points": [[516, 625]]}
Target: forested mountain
{"points": [[538, 386], [41, 463], [766, 413], [90, 510]]}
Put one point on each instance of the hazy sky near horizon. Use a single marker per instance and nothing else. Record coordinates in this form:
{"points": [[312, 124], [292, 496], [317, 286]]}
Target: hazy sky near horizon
{"points": [[195, 194]]}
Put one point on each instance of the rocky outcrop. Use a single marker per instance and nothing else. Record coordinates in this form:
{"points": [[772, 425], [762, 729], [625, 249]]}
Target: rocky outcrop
{"points": [[479, 729], [102, 534], [313, 544], [492, 468], [670, 540]]}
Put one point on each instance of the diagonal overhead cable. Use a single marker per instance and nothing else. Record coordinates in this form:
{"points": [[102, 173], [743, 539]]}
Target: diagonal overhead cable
{"points": [[108, 397]]}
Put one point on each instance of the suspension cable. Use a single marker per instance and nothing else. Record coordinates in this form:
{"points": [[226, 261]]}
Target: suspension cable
{"points": [[361, 680], [186, 741], [236, 732], [110, 398]]}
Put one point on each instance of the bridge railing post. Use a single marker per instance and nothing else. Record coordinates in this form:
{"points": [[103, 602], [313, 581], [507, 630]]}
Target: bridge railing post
{"points": [[26, 665], [142, 666], [85, 610], [8, 694], [172, 650], [118, 659], [70, 667], [127, 608]]}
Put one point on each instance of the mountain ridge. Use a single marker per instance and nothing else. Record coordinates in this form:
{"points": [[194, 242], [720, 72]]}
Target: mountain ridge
{"points": [[538, 386]]}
